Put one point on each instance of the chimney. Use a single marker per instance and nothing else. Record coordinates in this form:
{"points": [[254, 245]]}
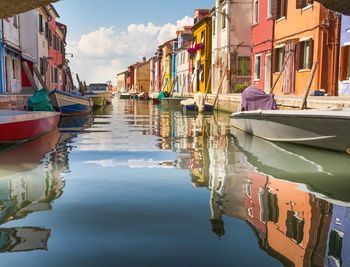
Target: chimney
{"points": [[144, 59]]}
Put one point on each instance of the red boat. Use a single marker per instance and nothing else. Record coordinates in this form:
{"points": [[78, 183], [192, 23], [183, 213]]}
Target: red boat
{"points": [[17, 126]]}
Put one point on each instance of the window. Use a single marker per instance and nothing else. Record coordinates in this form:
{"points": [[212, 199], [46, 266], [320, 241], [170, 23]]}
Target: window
{"points": [[50, 37], [244, 66], [47, 30], [279, 9], [295, 227], [223, 19], [41, 25], [344, 63], [256, 12], [214, 26], [279, 59], [304, 54], [303, 3], [15, 21], [202, 37], [201, 73], [269, 8], [335, 244], [257, 67], [248, 190], [42, 65], [269, 210], [15, 69]]}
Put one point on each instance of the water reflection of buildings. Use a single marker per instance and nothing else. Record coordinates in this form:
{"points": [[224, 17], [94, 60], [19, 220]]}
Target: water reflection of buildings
{"points": [[297, 226], [30, 185]]}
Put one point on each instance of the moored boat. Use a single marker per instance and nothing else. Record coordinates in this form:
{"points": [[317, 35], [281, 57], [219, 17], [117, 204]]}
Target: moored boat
{"points": [[18, 126], [192, 107], [101, 89], [326, 129], [172, 102], [98, 100], [70, 104], [125, 96]]}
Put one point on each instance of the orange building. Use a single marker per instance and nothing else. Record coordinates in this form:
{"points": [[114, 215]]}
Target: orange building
{"points": [[305, 32], [297, 233]]}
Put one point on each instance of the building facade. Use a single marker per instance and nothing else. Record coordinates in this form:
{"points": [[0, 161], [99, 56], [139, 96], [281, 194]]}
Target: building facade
{"points": [[305, 33], [201, 50], [262, 44], [166, 66], [121, 81], [141, 76], [231, 42], [344, 69], [2, 68], [29, 45], [13, 55]]}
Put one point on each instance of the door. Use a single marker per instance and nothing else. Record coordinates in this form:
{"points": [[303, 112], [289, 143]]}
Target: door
{"points": [[268, 64]]}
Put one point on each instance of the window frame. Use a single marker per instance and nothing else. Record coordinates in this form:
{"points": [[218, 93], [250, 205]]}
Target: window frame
{"points": [[257, 76]]}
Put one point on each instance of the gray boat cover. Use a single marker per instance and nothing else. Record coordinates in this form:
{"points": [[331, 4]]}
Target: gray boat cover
{"points": [[254, 98]]}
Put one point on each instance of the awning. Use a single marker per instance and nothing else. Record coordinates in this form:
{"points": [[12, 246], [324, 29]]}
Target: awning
{"points": [[9, 8], [12, 51]]}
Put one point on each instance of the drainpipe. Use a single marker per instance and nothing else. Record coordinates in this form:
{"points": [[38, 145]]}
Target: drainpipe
{"points": [[336, 48], [2, 59], [228, 29]]}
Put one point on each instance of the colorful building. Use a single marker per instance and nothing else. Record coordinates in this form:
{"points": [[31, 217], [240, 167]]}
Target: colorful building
{"points": [[183, 61], [262, 44], [231, 44], [43, 42], [2, 68], [130, 79], [201, 50], [305, 32], [152, 78], [56, 38], [141, 76], [339, 238], [344, 70]]}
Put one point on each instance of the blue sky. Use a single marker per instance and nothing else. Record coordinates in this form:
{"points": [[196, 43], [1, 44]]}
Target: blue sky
{"points": [[84, 16]]}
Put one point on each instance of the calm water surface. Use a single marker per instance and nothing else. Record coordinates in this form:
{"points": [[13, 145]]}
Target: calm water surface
{"points": [[138, 185]]}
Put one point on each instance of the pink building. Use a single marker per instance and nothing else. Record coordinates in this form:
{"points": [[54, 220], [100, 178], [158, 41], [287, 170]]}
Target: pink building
{"points": [[262, 44]]}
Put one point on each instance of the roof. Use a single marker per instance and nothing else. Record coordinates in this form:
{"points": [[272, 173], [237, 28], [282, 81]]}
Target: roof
{"points": [[341, 6], [52, 8], [9, 8], [125, 71]]}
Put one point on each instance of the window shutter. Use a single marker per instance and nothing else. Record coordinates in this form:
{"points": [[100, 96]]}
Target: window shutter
{"points": [[40, 23], [299, 4], [311, 55], [274, 9], [298, 56]]}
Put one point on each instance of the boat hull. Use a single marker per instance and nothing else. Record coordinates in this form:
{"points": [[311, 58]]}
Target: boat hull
{"points": [[18, 126], [98, 101], [70, 105], [107, 96], [194, 108], [125, 96], [322, 129], [173, 102]]}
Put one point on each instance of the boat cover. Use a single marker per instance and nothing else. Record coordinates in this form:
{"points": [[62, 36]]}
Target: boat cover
{"points": [[254, 98]]}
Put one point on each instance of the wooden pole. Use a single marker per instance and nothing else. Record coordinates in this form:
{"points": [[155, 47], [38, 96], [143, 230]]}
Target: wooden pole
{"points": [[220, 86], [38, 75], [85, 87], [280, 74], [81, 89], [308, 86], [29, 76], [173, 86], [208, 82]]}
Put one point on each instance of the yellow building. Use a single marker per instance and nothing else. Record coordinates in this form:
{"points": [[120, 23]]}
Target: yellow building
{"points": [[201, 50]]}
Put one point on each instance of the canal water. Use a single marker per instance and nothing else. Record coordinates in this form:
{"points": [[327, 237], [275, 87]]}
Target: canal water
{"points": [[140, 185]]}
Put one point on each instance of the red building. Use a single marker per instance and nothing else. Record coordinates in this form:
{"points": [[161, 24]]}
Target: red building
{"points": [[57, 35], [262, 44], [130, 78]]}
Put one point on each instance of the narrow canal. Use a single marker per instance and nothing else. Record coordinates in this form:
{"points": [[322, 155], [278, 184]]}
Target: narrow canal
{"points": [[138, 185]]}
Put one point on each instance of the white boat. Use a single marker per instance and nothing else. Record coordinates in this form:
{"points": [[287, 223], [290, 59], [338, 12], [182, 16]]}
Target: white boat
{"points": [[101, 89], [327, 129]]}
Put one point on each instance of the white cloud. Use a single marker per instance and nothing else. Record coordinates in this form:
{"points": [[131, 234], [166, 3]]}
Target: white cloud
{"points": [[101, 54]]}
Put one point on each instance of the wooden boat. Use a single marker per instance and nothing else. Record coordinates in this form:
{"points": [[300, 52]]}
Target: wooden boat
{"points": [[97, 100], [17, 126], [69, 104], [326, 129], [101, 89], [125, 96], [298, 164], [193, 107]]}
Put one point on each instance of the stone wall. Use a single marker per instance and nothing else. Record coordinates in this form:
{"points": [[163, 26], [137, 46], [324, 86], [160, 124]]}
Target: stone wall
{"points": [[17, 102]]}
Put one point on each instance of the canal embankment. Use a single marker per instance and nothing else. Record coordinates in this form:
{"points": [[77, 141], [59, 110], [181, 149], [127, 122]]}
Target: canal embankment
{"points": [[230, 102], [17, 102]]}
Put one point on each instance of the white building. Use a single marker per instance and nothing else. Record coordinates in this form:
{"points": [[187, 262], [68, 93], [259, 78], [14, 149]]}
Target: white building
{"points": [[231, 43], [29, 43], [13, 54]]}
